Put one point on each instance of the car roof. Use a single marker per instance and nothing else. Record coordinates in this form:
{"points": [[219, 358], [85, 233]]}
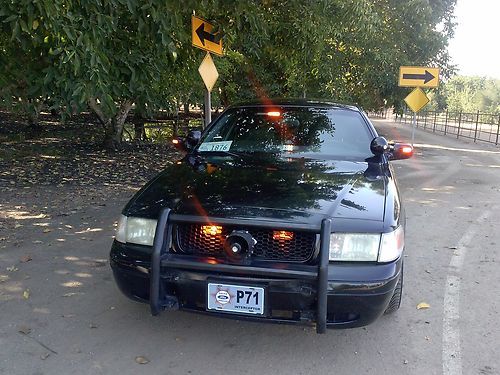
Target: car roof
{"points": [[294, 103]]}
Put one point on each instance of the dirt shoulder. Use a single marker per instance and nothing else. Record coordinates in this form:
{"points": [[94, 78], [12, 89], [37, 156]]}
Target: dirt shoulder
{"points": [[60, 198]]}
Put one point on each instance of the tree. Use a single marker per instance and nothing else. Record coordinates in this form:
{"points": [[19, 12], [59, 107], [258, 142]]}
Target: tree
{"points": [[469, 94], [106, 56]]}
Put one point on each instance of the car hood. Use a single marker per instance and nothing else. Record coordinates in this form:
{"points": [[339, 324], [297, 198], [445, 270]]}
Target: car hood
{"points": [[294, 190]]}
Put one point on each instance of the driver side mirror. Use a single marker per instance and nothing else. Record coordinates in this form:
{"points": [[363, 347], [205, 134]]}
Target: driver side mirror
{"points": [[379, 146], [188, 143]]}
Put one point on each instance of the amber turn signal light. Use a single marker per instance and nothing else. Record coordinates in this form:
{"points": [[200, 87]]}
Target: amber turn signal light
{"points": [[407, 149], [282, 235], [211, 230], [274, 114]]}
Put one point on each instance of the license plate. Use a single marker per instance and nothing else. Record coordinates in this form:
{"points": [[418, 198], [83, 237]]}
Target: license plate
{"points": [[236, 298]]}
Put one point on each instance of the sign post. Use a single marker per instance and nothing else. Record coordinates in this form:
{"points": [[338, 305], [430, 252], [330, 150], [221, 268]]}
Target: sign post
{"points": [[416, 100], [205, 39], [208, 108], [417, 76]]}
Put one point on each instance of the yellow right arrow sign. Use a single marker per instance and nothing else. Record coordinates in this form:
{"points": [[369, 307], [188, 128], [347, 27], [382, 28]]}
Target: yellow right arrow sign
{"points": [[418, 76], [417, 100]]}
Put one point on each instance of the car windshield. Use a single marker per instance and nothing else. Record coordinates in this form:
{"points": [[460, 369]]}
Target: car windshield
{"points": [[293, 131]]}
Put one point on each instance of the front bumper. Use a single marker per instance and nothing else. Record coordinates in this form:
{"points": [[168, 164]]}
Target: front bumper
{"points": [[343, 295]]}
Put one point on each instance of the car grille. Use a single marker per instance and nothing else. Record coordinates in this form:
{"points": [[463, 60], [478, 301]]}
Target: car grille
{"points": [[191, 240]]}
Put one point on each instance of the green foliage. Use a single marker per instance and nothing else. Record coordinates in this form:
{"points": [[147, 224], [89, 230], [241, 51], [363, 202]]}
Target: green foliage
{"points": [[108, 54], [469, 94]]}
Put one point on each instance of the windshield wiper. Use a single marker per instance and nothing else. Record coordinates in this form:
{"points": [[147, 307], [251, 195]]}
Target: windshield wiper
{"points": [[221, 152]]}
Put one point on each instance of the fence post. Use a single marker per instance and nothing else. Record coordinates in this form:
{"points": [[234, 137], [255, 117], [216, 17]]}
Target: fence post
{"points": [[434, 125], [498, 129], [459, 122], [477, 121], [425, 120], [446, 122]]}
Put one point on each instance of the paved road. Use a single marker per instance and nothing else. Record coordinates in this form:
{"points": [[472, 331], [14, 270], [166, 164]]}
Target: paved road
{"points": [[452, 193]]}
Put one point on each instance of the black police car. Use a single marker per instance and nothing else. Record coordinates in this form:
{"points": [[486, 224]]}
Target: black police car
{"points": [[284, 211]]}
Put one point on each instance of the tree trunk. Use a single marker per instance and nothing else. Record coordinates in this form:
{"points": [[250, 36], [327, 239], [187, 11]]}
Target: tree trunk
{"points": [[113, 126], [139, 121], [224, 97], [139, 130], [33, 113]]}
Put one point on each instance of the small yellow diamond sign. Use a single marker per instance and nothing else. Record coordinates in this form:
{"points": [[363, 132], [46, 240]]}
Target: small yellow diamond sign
{"points": [[208, 72], [417, 100]]}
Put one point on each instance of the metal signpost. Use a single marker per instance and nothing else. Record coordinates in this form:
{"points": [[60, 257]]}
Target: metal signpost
{"points": [[203, 38], [417, 76], [416, 100]]}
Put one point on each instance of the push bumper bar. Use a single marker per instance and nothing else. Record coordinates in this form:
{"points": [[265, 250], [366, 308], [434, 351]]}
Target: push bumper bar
{"points": [[159, 300]]}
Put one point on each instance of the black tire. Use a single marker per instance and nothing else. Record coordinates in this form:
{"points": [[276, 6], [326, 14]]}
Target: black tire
{"points": [[396, 296]]}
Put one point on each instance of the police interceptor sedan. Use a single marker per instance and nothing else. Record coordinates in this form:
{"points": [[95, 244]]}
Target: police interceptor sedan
{"points": [[284, 211]]}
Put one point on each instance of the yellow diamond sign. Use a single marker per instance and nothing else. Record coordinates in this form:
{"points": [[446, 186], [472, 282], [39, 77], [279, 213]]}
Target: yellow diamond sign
{"points": [[417, 100], [208, 72]]}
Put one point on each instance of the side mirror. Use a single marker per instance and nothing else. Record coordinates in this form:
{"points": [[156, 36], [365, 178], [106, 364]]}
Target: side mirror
{"points": [[379, 146], [399, 151], [188, 143], [192, 139]]}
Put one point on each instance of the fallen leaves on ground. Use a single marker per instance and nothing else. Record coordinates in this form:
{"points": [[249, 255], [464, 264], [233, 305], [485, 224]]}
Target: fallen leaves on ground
{"points": [[423, 306], [71, 294], [82, 163], [141, 360], [44, 356], [25, 330], [25, 259], [12, 269]]}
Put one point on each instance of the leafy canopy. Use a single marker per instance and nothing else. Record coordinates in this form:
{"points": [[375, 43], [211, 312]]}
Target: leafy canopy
{"points": [[69, 53]]}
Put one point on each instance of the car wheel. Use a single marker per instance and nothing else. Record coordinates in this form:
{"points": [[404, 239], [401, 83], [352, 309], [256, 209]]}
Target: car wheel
{"points": [[396, 296]]}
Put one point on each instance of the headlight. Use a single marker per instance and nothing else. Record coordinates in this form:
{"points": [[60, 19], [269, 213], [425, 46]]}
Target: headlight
{"points": [[392, 245], [354, 247], [364, 247], [136, 230]]}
